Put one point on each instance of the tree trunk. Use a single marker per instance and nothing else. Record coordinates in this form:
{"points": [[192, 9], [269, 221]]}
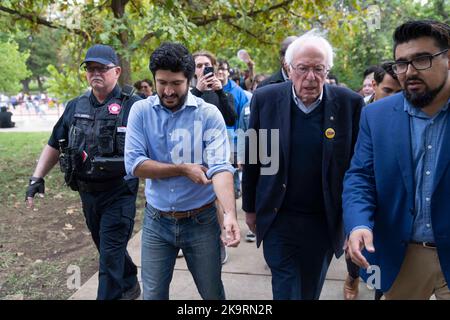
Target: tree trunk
{"points": [[40, 84], [26, 85], [125, 77], [118, 8]]}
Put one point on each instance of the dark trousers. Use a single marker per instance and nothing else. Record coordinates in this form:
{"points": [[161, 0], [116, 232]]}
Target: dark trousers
{"points": [[110, 219], [298, 251]]}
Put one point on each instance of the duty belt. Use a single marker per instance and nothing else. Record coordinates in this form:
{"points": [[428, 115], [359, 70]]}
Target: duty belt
{"points": [[85, 186], [185, 214]]}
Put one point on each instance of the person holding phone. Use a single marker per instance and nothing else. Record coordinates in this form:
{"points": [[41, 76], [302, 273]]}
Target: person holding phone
{"points": [[210, 89]]}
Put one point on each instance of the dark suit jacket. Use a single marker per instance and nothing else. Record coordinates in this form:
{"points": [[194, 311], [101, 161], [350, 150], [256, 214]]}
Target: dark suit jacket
{"points": [[264, 194], [277, 77]]}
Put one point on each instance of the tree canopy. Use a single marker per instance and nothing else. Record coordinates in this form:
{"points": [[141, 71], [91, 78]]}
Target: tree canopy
{"points": [[136, 27], [13, 67]]}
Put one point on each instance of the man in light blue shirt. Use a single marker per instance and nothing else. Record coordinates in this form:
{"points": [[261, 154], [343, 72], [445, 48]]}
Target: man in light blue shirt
{"points": [[179, 144]]}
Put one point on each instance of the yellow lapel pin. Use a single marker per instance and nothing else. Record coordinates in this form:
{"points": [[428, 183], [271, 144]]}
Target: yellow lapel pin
{"points": [[330, 133]]}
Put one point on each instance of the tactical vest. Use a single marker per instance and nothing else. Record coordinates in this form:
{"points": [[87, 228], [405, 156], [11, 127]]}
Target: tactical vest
{"points": [[98, 135]]}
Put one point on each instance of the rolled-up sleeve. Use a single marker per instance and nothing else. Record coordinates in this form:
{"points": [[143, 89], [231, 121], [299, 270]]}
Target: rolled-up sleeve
{"points": [[136, 150], [217, 146]]}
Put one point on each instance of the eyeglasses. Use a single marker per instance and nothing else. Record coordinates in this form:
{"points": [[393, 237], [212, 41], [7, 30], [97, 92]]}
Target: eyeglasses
{"points": [[419, 63], [318, 70], [102, 69]]}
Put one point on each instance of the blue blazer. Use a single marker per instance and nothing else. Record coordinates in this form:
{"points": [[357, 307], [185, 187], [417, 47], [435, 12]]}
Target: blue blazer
{"points": [[264, 194], [379, 188]]}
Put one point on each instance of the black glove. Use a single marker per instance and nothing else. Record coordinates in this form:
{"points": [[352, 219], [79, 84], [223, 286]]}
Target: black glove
{"points": [[37, 185]]}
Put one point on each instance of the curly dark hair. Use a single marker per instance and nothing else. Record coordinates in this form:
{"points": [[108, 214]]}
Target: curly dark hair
{"points": [[415, 29], [174, 57]]}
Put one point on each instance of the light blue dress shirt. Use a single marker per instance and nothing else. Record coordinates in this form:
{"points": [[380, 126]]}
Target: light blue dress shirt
{"points": [[196, 133], [427, 134]]}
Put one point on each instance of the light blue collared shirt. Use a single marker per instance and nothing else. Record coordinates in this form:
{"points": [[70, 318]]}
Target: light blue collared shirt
{"points": [[302, 106], [196, 133], [427, 133]]}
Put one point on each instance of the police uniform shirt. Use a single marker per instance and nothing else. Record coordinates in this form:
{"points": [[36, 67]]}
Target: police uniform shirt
{"points": [[61, 128]]}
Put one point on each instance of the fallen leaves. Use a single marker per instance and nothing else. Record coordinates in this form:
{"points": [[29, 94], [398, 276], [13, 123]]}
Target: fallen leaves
{"points": [[71, 210], [68, 227]]}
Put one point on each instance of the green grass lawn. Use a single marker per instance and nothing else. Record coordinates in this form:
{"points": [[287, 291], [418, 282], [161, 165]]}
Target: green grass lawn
{"points": [[27, 236], [19, 153], [35, 247]]}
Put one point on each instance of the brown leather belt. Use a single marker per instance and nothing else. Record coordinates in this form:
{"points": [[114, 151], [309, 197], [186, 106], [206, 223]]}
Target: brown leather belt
{"points": [[185, 214], [431, 245]]}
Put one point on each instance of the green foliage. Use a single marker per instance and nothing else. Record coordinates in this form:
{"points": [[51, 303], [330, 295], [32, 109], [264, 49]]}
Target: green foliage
{"points": [[12, 67], [136, 28], [359, 47], [15, 148], [66, 83], [39, 45]]}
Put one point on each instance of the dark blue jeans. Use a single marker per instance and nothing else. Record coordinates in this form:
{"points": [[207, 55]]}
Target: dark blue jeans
{"points": [[198, 237], [110, 219], [298, 251]]}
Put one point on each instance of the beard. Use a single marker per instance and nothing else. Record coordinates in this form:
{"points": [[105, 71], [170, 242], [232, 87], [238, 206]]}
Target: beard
{"points": [[422, 99], [181, 100]]}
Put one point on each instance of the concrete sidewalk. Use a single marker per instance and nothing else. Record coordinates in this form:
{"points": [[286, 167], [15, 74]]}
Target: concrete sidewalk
{"points": [[245, 276]]}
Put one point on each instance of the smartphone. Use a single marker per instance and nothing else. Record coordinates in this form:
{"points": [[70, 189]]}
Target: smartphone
{"points": [[208, 70]]}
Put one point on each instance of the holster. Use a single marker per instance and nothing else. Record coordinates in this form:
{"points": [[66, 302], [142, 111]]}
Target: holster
{"points": [[70, 161]]}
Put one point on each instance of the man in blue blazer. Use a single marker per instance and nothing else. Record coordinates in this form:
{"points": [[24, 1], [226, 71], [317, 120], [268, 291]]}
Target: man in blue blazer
{"points": [[296, 210], [397, 191]]}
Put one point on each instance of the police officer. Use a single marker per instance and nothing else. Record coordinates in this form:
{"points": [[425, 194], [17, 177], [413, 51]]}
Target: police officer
{"points": [[88, 140]]}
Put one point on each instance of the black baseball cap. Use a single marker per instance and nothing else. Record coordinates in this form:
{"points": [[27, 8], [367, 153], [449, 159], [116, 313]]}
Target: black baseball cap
{"points": [[102, 54]]}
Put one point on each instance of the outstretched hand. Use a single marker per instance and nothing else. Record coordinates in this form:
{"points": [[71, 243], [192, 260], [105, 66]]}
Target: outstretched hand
{"points": [[232, 231], [358, 240]]}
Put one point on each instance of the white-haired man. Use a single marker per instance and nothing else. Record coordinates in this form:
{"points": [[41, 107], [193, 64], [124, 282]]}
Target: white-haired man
{"points": [[296, 212]]}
